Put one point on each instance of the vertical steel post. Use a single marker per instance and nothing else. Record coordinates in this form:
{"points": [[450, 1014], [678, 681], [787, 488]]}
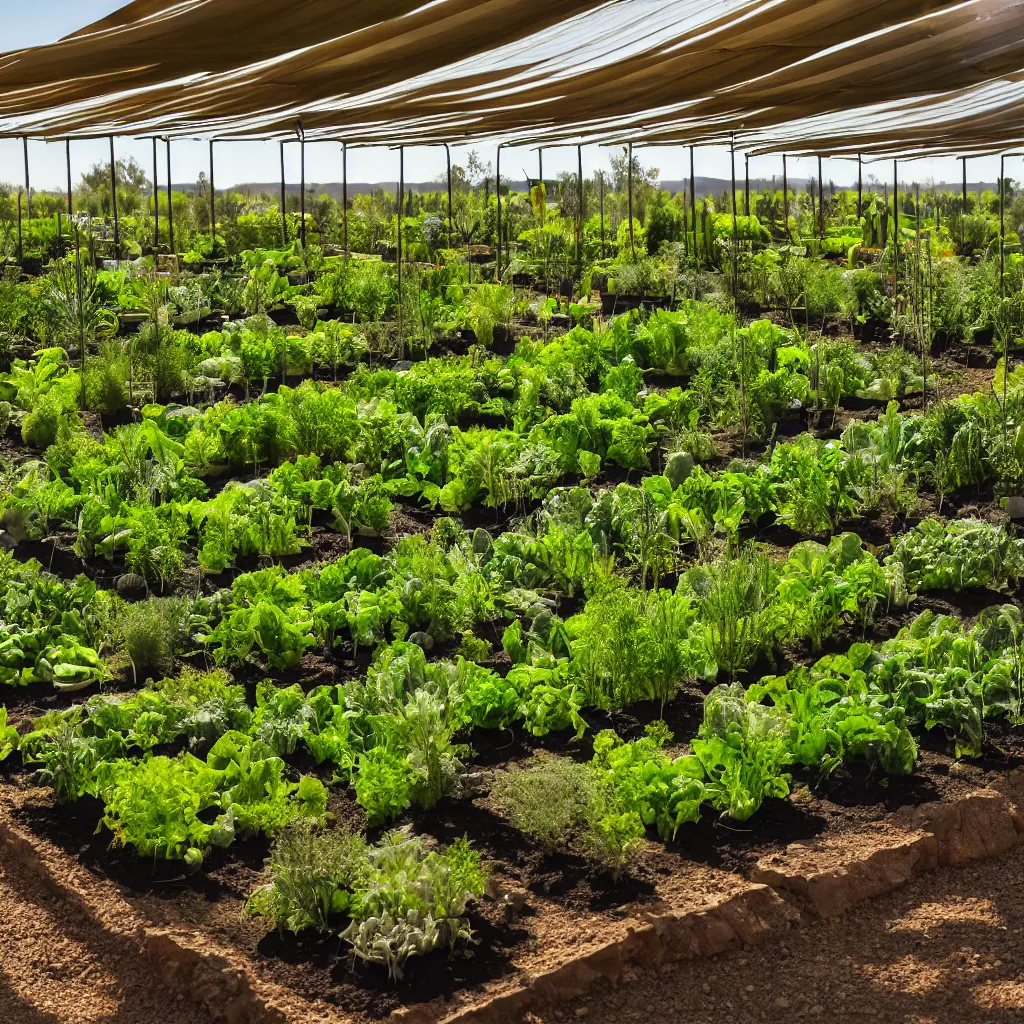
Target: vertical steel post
{"points": [[448, 158], [401, 200], [302, 190], [213, 207], [963, 201], [156, 200], [785, 195], [629, 157], [579, 240], [693, 206], [284, 210], [540, 163], [67, 160], [1002, 227], [735, 266], [821, 202], [170, 198], [28, 183], [895, 227], [860, 187], [601, 186], [113, 202], [746, 184], [344, 196], [497, 184]]}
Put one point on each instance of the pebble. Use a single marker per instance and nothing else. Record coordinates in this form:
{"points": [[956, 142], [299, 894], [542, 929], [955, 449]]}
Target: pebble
{"points": [[706, 988], [582, 1011], [782, 1003]]}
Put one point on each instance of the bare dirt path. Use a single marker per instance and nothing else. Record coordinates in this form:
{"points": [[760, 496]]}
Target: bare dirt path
{"points": [[58, 966], [946, 949]]}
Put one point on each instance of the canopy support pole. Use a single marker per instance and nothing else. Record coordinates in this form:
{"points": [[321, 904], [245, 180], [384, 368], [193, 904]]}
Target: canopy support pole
{"points": [[497, 184], [746, 184], [284, 211], [156, 198], [113, 203], [735, 266], [821, 203], [302, 190], [344, 197], [601, 187], [448, 158], [860, 187], [401, 201], [693, 207], [540, 163], [170, 198], [785, 198], [895, 229], [1002, 233], [213, 207], [579, 237], [963, 201], [629, 175], [28, 183], [67, 160]]}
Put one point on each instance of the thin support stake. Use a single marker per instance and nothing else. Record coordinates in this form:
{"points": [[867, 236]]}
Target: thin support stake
{"points": [[963, 203]]}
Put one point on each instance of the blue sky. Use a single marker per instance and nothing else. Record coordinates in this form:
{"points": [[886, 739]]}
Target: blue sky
{"points": [[45, 20]]}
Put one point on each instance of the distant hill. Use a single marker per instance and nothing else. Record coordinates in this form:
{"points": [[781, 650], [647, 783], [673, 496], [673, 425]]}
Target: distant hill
{"points": [[705, 186]]}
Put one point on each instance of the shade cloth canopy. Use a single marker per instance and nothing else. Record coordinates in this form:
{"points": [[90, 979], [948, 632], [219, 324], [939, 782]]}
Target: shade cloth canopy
{"points": [[814, 74]]}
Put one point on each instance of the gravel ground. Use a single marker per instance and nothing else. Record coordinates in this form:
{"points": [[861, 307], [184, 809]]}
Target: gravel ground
{"points": [[947, 949], [60, 967]]}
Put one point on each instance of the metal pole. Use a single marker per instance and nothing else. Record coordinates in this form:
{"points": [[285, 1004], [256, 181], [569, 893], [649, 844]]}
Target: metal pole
{"points": [[213, 206], [156, 199], [302, 191], [735, 267], [540, 164], [785, 197], [860, 187], [746, 184], [601, 186], [284, 212], [401, 197], [895, 228], [344, 196], [170, 199], [579, 239], [1002, 230], [497, 183], [28, 183], [963, 212], [632, 244], [67, 158], [821, 203], [448, 157], [693, 205], [113, 202]]}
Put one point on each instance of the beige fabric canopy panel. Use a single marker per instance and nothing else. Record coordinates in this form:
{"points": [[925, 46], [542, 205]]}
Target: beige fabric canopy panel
{"points": [[772, 72]]}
